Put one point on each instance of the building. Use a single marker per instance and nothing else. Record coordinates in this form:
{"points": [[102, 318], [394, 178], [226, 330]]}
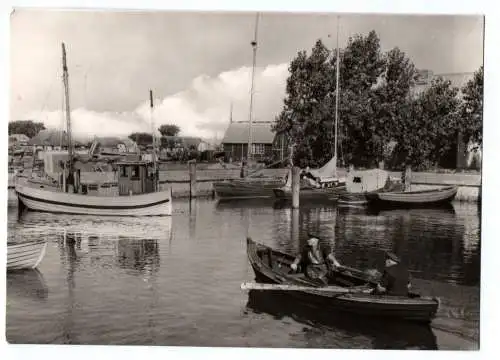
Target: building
{"points": [[235, 141], [425, 78], [18, 140]]}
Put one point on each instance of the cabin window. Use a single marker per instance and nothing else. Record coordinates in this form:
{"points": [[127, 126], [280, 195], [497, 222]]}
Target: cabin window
{"points": [[123, 171], [135, 172], [258, 149], [356, 180]]}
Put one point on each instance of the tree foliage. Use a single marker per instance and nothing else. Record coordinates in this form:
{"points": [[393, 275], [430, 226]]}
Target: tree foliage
{"points": [[169, 130], [428, 132], [472, 109], [26, 127], [141, 138], [381, 114]]}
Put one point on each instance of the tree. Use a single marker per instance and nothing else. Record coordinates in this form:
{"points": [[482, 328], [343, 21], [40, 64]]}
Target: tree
{"points": [[26, 127], [471, 110], [169, 130], [306, 116], [361, 66], [391, 99], [141, 139], [428, 132]]}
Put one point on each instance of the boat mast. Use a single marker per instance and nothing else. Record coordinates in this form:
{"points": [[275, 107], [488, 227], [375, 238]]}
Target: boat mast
{"points": [[337, 91], [254, 47], [68, 114], [151, 118]]}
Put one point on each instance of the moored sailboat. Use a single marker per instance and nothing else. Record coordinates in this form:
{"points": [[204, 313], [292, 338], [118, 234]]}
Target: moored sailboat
{"points": [[138, 185]]}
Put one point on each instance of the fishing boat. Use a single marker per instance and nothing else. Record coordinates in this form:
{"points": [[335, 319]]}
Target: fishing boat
{"points": [[359, 183], [349, 295], [25, 255], [321, 183], [138, 191], [419, 198]]}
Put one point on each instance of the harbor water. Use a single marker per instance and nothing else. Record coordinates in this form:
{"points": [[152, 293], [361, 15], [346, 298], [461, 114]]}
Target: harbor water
{"points": [[176, 280]]}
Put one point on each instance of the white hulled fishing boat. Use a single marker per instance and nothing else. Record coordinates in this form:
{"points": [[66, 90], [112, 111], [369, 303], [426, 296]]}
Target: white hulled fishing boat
{"points": [[138, 185]]}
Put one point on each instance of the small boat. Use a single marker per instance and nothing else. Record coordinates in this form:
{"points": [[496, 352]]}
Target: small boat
{"points": [[25, 255], [420, 198], [315, 184], [246, 188], [273, 267], [359, 183]]}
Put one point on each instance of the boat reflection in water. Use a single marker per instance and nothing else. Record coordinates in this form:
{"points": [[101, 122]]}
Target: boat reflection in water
{"points": [[387, 335], [138, 254], [27, 284]]}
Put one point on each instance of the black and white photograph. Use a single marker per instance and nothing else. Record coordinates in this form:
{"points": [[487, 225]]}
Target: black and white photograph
{"points": [[244, 179]]}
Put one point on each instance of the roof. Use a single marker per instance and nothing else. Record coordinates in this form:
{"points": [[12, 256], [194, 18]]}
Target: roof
{"points": [[18, 137], [111, 142], [133, 162], [49, 137], [237, 133], [187, 141]]}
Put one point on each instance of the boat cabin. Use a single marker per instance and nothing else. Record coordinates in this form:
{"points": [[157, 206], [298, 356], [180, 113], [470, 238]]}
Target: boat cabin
{"points": [[136, 177]]}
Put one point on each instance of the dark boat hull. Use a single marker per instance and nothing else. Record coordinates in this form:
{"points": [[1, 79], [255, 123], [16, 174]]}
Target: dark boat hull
{"points": [[413, 199], [271, 266], [311, 193], [245, 189]]}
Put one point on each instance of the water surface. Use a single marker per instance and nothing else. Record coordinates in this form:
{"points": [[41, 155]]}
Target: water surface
{"points": [[176, 281]]}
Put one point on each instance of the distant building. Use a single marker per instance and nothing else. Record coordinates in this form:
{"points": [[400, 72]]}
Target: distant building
{"points": [[425, 78], [235, 141], [18, 140]]}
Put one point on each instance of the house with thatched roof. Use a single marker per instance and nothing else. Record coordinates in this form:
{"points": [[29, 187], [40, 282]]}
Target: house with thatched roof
{"points": [[18, 140], [50, 138], [235, 141]]}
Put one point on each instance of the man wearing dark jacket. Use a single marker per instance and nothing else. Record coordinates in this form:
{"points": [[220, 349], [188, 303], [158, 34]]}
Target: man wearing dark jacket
{"points": [[395, 279]]}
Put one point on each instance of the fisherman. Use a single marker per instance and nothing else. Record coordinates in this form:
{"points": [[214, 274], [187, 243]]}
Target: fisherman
{"points": [[395, 279], [316, 260]]}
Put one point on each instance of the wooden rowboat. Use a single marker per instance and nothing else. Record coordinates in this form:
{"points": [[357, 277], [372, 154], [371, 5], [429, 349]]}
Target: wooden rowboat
{"points": [[248, 188], [419, 198], [26, 255], [273, 267]]}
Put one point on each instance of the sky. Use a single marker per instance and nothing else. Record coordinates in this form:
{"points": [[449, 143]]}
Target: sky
{"points": [[196, 63]]}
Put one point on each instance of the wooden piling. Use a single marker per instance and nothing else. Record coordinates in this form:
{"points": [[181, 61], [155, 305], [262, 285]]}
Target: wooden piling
{"points": [[192, 179], [295, 187], [407, 178]]}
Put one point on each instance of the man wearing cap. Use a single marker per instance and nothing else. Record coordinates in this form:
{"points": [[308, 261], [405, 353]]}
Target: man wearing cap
{"points": [[316, 259], [395, 279]]}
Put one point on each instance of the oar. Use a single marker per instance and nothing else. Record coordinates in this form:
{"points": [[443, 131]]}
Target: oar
{"points": [[286, 287]]}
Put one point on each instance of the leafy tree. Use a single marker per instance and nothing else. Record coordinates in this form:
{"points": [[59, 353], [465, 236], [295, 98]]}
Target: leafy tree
{"points": [[141, 139], [169, 130], [472, 109], [428, 132], [26, 127], [361, 66], [391, 98], [306, 116]]}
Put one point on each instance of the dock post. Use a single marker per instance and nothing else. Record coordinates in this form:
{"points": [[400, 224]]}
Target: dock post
{"points": [[295, 187], [192, 179], [407, 178]]}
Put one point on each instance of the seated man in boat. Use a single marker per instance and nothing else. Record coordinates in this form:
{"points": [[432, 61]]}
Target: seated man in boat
{"points": [[317, 260], [395, 279]]}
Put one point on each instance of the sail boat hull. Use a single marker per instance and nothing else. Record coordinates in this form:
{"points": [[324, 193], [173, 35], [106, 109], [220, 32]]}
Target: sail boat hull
{"points": [[151, 204]]}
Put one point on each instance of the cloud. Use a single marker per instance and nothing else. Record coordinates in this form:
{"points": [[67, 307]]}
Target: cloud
{"points": [[200, 110]]}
